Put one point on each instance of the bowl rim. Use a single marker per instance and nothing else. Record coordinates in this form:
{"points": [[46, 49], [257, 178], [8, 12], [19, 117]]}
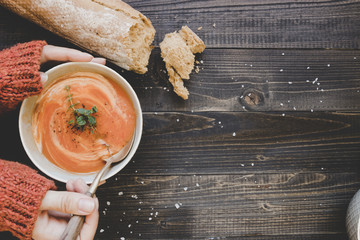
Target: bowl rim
{"points": [[27, 105]]}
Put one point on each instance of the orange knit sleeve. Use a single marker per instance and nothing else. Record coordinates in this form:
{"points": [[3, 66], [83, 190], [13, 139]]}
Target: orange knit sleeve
{"points": [[21, 192], [19, 73]]}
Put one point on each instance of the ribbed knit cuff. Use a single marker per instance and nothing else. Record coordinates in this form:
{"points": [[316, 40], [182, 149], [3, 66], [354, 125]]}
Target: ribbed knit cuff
{"points": [[19, 72], [21, 193]]}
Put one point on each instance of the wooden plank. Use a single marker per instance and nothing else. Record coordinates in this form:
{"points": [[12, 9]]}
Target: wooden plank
{"points": [[254, 206], [231, 143], [215, 143], [259, 23], [238, 24], [256, 80]]}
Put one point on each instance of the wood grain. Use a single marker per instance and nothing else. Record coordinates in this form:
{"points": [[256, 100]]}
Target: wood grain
{"points": [[252, 206], [281, 80], [259, 23]]}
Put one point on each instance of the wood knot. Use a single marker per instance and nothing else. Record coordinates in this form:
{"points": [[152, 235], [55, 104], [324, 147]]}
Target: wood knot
{"points": [[266, 207], [163, 224], [252, 98]]}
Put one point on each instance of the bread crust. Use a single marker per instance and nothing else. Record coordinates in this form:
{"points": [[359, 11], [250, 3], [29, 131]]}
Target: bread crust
{"points": [[177, 51], [108, 28]]}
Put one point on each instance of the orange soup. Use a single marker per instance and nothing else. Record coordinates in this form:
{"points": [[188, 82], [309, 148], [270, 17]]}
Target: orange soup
{"points": [[55, 129]]}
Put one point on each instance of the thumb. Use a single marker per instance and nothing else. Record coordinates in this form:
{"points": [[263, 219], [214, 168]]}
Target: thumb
{"points": [[68, 202]]}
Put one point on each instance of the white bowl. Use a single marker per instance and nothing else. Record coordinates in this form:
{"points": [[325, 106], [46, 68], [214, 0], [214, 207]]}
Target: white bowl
{"points": [[26, 112]]}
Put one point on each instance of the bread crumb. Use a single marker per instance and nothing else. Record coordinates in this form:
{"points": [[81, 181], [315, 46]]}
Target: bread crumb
{"points": [[214, 25], [177, 51], [197, 69], [199, 28]]}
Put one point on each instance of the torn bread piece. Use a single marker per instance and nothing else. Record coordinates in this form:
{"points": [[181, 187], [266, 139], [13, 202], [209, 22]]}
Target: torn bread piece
{"points": [[177, 51]]}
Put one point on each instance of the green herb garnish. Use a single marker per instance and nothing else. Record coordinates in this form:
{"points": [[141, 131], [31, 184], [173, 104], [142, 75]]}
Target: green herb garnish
{"points": [[83, 117]]}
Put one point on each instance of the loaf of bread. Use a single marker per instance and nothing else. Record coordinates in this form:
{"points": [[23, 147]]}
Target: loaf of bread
{"points": [[177, 51], [109, 28]]}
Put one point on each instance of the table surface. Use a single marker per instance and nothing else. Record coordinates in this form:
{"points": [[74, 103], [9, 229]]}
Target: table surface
{"points": [[266, 147]]}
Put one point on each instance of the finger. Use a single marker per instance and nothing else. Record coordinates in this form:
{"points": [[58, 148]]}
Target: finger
{"points": [[57, 214], [54, 53], [77, 185], [101, 61], [68, 202], [70, 185], [90, 225], [48, 227], [43, 78], [80, 186]]}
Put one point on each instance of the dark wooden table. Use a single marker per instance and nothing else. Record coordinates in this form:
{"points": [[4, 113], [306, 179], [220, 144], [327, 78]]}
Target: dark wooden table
{"points": [[268, 144]]}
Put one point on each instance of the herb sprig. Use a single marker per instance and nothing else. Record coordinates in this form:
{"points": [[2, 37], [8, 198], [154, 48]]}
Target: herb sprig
{"points": [[83, 117]]}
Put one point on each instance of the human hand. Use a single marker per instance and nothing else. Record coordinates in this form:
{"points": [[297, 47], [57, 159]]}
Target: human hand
{"points": [[54, 53], [57, 206]]}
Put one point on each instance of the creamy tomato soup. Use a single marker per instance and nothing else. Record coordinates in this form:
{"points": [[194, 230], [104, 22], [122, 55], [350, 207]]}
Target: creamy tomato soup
{"points": [[77, 150]]}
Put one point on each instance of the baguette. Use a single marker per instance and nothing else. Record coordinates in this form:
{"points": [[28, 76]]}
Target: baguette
{"points": [[177, 51], [109, 28]]}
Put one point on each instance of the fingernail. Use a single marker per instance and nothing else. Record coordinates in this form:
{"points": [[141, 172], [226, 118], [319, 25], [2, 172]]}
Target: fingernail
{"points": [[86, 205]]}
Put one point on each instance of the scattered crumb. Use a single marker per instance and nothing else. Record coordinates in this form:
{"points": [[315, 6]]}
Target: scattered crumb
{"points": [[101, 230], [199, 28], [197, 69], [214, 25], [134, 196], [177, 205], [108, 203], [234, 134], [185, 188], [120, 193]]}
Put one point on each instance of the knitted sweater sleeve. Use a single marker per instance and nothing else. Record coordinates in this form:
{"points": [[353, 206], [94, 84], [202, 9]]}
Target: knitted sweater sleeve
{"points": [[21, 193], [19, 73]]}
